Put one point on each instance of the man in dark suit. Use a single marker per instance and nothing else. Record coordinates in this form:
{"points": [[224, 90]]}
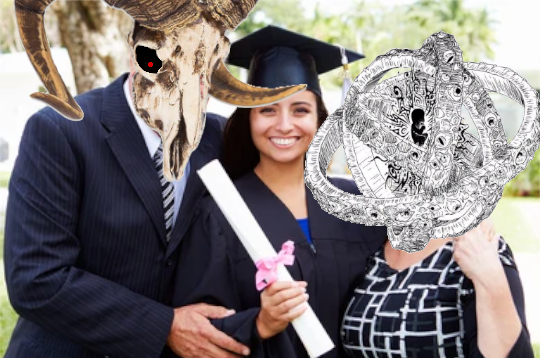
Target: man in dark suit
{"points": [[89, 264]]}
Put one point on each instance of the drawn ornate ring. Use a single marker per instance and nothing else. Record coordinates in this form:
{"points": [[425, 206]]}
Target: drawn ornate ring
{"points": [[421, 174]]}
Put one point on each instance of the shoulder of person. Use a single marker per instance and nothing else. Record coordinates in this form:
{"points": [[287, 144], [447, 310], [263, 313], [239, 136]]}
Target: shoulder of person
{"points": [[344, 183], [218, 121], [90, 103], [213, 134], [505, 254], [507, 259], [209, 209]]}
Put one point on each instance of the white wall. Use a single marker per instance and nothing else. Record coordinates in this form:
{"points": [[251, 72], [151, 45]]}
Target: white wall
{"points": [[18, 80]]}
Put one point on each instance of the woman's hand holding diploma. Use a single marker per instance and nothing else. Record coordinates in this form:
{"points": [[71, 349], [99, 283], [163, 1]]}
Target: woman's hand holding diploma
{"points": [[281, 303]]}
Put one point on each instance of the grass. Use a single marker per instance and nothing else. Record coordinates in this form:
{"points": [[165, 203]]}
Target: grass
{"points": [[4, 179], [8, 317], [2, 222]]}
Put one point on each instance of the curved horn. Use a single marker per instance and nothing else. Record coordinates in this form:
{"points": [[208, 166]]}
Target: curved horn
{"points": [[230, 13], [166, 15], [32, 30], [228, 88]]}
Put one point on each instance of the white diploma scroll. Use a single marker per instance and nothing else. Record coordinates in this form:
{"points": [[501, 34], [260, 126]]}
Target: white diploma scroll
{"points": [[307, 326]]}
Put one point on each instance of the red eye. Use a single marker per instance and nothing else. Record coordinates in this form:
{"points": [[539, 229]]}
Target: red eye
{"points": [[148, 59]]}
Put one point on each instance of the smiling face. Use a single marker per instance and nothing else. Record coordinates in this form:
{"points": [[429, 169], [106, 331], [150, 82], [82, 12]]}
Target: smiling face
{"points": [[282, 132]]}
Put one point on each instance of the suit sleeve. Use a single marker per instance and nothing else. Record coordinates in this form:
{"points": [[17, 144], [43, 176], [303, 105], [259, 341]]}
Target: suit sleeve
{"points": [[522, 347], [45, 285], [218, 286]]}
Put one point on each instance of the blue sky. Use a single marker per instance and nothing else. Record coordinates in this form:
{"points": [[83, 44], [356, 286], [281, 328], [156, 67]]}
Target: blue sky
{"points": [[517, 29]]}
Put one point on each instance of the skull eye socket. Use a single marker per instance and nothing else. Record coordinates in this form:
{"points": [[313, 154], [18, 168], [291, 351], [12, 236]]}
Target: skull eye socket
{"points": [[148, 59]]}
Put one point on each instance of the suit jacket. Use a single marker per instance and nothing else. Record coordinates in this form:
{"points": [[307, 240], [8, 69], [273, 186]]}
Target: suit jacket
{"points": [[87, 265]]}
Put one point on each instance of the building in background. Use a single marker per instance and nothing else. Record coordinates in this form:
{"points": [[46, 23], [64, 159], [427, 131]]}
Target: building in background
{"points": [[4, 150]]}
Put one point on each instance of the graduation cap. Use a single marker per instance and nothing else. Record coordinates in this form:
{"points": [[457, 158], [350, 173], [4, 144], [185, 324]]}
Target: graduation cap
{"points": [[277, 57]]}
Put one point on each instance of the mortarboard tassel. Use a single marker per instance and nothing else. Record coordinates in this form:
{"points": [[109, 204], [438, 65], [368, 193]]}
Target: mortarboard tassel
{"points": [[347, 79]]}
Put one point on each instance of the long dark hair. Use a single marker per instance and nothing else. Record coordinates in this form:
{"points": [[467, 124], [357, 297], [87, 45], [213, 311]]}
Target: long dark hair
{"points": [[239, 155]]}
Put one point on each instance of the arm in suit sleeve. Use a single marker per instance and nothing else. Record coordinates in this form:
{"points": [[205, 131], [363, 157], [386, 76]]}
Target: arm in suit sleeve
{"points": [[41, 251], [215, 283], [522, 347]]}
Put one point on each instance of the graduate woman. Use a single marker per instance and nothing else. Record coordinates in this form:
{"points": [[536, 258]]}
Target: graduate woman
{"points": [[264, 153]]}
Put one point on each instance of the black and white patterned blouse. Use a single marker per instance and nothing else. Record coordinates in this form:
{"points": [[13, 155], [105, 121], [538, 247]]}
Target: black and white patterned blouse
{"points": [[426, 310]]}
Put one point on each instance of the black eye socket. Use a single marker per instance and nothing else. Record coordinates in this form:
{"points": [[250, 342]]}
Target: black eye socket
{"points": [[147, 59]]}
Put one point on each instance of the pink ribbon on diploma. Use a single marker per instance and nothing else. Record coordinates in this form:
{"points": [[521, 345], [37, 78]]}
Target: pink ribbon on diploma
{"points": [[267, 268]]}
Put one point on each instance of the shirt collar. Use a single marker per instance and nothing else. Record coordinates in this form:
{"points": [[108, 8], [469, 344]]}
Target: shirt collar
{"points": [[151, 138]]}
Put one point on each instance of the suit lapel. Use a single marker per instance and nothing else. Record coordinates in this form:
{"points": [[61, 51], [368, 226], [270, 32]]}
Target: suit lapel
{"points": [[194, 191], [128, 146]]}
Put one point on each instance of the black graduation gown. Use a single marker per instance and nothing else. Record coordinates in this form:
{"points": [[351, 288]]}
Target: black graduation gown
{"points": [[215, 268]]}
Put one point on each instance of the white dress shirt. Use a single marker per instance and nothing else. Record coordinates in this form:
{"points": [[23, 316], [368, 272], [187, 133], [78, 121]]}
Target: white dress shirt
{"points": [[153, 140]]}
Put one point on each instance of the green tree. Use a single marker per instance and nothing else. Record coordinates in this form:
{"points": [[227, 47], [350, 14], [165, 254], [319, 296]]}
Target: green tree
{"points": [[285, 13], [375, 29], [10, 41], [408, 25], [472, 28]]}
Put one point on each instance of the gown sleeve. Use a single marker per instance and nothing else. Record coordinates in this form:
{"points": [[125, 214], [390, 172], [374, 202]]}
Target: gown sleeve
{"points": [[213, 281], [522, 347]]}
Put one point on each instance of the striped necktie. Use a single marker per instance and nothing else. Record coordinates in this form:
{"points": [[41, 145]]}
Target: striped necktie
{"points": [[167, 191]]}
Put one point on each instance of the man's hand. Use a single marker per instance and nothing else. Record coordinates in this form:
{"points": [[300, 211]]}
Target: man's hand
{"points": [[193, 336]]}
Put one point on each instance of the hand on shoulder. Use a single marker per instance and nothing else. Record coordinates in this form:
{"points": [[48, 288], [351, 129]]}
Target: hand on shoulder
{"points": [[477, 253]]}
